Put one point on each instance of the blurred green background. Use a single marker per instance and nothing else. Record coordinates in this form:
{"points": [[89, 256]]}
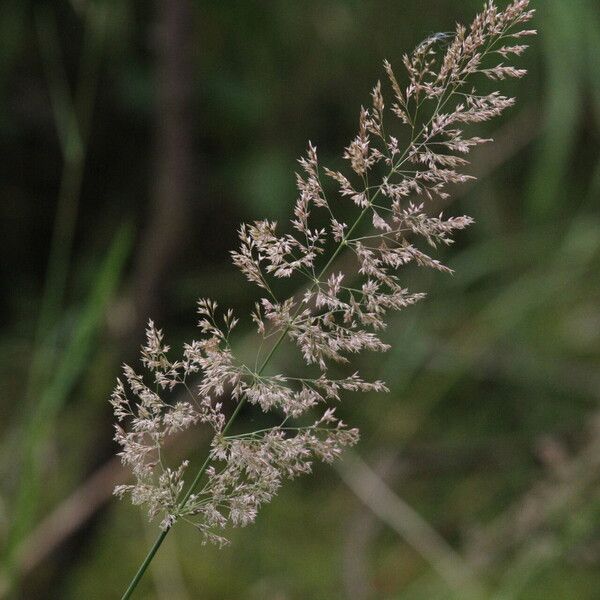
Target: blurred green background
{"points": [[134, 137]]}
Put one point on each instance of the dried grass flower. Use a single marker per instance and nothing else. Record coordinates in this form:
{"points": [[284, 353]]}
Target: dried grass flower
{"points": [[338, 314]]}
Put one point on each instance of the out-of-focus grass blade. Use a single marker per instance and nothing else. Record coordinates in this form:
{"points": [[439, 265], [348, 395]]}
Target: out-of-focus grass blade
{"points": [[565, 65], [71, 364], [52, 374], [72, 114], [592, 32]]}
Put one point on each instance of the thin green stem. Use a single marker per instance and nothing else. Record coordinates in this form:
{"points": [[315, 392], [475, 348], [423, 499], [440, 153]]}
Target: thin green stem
{"points": [[144, 565]]}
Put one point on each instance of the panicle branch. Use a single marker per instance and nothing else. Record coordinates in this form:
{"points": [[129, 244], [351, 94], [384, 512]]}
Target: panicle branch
{"points": [[395, 170]]}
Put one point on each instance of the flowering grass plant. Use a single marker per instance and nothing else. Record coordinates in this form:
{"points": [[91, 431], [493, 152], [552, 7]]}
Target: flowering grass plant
{"points": [[403, 157]]}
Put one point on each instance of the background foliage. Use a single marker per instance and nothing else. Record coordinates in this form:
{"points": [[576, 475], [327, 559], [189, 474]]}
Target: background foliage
{"points": [[134, 138]]}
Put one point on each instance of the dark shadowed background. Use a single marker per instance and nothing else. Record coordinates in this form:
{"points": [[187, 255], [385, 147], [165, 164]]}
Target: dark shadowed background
{"points": [[134, 138]]}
